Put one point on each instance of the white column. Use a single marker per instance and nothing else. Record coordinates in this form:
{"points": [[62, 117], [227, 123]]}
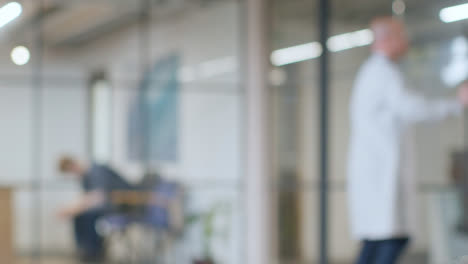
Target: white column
{"points": [[259, 174]]}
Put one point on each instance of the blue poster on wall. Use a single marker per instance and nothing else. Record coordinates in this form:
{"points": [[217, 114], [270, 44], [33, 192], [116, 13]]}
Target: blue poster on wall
{"points": [[153, 117]]}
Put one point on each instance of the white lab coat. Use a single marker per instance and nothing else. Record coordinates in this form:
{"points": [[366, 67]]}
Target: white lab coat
{"points": [[380, 193]]}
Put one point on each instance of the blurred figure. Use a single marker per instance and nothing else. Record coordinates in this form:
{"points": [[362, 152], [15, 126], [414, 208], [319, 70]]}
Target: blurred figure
{"points": [[380, 190], [97, 181]]}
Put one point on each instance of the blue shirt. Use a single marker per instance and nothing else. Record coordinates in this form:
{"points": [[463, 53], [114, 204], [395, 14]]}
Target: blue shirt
{"points": [[103, 178]]}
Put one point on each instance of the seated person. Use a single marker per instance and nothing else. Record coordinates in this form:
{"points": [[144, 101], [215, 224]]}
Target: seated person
{"points": [[97, 181]]}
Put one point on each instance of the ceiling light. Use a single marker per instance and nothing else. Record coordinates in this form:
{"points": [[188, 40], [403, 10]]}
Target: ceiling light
{"points": [[20, 55], [217, 67], [350, 40], [296, 54], [398, 7], [9, 12], [454, 13]]}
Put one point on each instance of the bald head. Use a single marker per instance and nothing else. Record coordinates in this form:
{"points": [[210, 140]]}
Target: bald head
{"points": [[389, 37]]}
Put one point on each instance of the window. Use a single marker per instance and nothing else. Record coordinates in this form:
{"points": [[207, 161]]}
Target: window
{"points": [[101, 119]]}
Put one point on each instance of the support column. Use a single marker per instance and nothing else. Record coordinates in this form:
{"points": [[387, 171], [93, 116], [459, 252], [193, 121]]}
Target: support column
{"points": [[259, 174], [323, 21]]}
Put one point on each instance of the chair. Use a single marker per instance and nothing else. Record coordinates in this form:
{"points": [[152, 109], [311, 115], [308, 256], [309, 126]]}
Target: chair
{"points": [[143, 224]]}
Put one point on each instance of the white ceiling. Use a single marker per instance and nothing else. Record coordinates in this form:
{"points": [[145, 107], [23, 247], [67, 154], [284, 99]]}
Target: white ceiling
{"points": [[295, 21], [76, 22]]}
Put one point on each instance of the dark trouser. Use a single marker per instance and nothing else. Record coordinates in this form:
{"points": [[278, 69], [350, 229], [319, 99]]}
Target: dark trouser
{"points": [[382, 251], [88, 240]]}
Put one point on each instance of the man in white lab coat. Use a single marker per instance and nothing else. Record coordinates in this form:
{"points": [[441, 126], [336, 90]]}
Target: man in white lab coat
{"points": [[381, 108]]}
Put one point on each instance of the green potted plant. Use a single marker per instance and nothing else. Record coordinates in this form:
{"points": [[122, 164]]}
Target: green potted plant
{"points": [[207, 222]]}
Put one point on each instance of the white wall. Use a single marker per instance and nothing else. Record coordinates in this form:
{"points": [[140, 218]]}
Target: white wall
{"points": [[63, 130]]}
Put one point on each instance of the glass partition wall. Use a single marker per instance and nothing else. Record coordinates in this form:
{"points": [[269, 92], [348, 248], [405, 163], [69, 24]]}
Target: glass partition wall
{"points": [[146, 89], [154, 91], [294, 104], [434, 66]]}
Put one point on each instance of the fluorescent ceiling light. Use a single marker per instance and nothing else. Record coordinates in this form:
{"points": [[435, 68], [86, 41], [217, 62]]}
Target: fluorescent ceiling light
{"points": [[9, 12], [314, 49], [20, 55], [350, 40], [207, 69], [296, 54], [217, 67], [454, 13]]}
